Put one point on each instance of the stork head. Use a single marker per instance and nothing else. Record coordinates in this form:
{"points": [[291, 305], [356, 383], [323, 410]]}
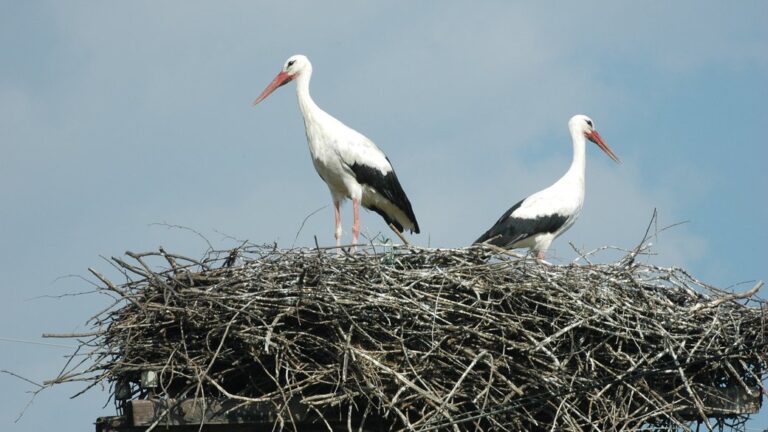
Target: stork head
{"points": [[583, 125], [293, 67]]}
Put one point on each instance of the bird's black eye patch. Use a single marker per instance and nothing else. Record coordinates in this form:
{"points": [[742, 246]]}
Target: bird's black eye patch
{"points": [[290, 63], [589, 122]]}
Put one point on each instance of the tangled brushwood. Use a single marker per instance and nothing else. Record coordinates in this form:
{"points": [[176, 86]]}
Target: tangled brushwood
{"points": [[419, 339]]}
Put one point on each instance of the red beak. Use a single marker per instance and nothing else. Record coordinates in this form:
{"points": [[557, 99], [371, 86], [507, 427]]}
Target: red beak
{"points": [[597, 139], [281, 79]]}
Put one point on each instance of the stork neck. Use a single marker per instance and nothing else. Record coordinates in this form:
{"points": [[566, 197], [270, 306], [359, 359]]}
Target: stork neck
{"points": [[578, 165], [308, 107]]}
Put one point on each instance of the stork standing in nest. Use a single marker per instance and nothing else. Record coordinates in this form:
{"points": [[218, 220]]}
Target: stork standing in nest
{"points": [[350, 164], [537, 220]]}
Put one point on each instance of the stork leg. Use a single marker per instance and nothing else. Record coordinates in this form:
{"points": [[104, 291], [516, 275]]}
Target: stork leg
{"points": [[540, 255], [356, 223], [337, 216]]}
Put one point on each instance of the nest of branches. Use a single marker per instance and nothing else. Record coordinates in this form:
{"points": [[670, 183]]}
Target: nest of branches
{"points": [[424, 339]]}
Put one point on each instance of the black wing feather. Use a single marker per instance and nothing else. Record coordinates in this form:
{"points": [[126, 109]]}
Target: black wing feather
{"points": [[509, 230], [389, 187]]}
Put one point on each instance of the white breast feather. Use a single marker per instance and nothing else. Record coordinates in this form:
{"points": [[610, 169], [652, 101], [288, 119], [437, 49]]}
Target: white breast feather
{"points": [[560, 198]]}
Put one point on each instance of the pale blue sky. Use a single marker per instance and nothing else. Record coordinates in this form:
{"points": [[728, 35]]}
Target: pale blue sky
{"points": [[115, 116]]}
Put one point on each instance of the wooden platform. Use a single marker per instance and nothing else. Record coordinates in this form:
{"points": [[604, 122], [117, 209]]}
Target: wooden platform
{"points": [[216, 415]]}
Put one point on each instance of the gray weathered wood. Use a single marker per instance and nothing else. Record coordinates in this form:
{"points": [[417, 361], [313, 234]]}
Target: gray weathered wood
{"points": [[727, 401], [213, 411], [216, 416], [122, 424]]}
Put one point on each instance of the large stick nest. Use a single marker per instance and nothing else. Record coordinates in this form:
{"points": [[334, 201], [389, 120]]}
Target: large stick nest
{"points": [[424, 339]]}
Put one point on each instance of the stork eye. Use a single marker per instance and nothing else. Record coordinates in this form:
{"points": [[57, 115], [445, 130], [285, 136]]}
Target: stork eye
{"points": [[589, 122], [290, 63]]}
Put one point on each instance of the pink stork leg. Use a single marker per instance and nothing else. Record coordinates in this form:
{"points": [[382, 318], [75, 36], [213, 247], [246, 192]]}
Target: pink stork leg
{"points": [[337, 215], [356, 223]]}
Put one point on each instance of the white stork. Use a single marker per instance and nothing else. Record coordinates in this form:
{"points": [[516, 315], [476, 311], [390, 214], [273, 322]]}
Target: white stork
{"points": [[349, 163], [537, 220]]}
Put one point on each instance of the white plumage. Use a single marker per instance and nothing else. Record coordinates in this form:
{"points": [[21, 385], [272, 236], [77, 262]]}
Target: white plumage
{"points": [[537, 220], [350, 164]]}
